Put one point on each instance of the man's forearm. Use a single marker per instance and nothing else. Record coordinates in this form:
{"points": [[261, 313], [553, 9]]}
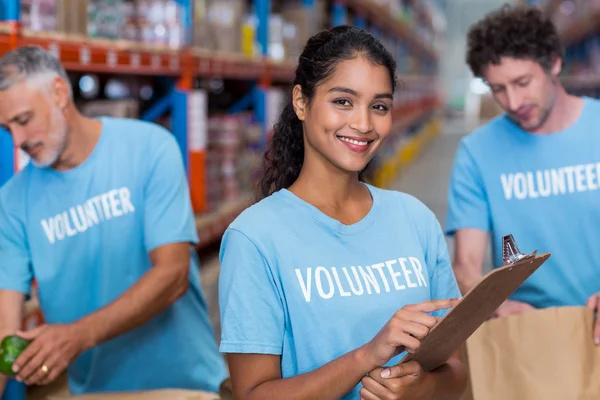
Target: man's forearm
{"points": [[466, 277], [450, 380], [152, 294]]}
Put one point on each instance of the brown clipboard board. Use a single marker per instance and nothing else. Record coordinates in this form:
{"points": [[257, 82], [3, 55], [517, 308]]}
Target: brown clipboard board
{"points": [[472, 310]]}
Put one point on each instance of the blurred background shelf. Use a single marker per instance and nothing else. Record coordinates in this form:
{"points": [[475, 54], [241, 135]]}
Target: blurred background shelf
{"points": [[578, 23], [373, 11], [215, 72], [82, 54]]}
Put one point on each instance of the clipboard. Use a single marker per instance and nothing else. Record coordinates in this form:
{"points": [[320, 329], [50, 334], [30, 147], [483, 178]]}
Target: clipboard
{"points": [[472, 310]]}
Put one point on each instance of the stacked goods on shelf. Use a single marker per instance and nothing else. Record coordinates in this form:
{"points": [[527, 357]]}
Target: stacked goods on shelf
{"points": [[414, 15], [578, 23], [306, 21], [575, 17], [582, 65], [217, 25], [159, 23], [111, 19], [232, 167], [125, 108], [152, 22], [39, 15], [62, 16], [224, 26], [233, 158]]}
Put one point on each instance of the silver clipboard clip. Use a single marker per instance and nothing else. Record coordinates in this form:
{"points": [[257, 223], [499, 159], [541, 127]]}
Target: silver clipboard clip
{"points": [[511, 253]]}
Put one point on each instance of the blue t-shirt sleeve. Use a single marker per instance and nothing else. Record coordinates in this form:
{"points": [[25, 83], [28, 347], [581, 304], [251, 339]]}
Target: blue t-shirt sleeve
{"points": [[168, 216], [15, 264], [467, 198], [252, 317]]}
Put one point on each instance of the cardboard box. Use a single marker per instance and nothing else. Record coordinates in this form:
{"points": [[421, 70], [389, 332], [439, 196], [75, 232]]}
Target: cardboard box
{"points": [[166, 394], [224, 19]]}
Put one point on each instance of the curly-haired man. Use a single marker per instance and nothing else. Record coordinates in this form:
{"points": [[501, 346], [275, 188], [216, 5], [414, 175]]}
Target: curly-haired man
{"points": [[533, 172]]}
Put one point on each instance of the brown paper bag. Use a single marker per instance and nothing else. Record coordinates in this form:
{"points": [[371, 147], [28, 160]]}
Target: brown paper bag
{"points": [[545, 354]]}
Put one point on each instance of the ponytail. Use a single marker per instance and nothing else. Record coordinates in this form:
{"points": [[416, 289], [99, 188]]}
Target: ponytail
{"points": [[285, 155]]}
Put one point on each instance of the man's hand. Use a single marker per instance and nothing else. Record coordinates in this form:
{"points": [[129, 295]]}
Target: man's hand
{"points": [[404, 381], [52, 349], [511, 307], [594, 303]]}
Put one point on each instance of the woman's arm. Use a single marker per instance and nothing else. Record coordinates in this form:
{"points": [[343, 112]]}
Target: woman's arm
{"points": [[258, 376]]}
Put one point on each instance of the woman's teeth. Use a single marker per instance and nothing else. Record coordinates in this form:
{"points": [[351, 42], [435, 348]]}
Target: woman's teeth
{"points": [[353, 141]]}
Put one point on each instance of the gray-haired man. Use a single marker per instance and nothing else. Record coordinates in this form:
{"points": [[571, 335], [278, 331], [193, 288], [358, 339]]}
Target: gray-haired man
{"points": [[102, 220]]}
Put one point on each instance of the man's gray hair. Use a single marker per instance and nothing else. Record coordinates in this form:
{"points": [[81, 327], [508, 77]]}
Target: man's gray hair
{"points": [[29, 62]]}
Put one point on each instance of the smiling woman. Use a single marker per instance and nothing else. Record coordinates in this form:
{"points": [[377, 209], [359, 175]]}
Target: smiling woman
{"points": [[295, 324], [343, 105]]}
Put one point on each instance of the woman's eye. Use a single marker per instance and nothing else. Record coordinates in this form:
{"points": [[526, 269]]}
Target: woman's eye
{"points": [[342, 102], [381, 107]]}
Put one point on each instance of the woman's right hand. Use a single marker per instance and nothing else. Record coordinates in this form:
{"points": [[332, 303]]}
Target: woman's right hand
{"points": [[404, 331]]}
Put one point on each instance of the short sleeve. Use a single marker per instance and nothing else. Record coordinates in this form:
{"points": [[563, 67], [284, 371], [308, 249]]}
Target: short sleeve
{"points": [[15, 262], [467, 199], [252, 317], [442, 278], [168, 216]]}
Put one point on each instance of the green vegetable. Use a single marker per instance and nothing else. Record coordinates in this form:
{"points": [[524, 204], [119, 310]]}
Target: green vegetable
{"points": [[10, 349]]}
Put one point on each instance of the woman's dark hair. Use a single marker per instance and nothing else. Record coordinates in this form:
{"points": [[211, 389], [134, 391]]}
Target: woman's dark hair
{"points": [[322, 53], [521, 32]]}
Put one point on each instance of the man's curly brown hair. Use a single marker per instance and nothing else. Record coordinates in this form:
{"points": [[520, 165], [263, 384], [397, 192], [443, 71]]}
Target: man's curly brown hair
{"points": [[513, 31]]}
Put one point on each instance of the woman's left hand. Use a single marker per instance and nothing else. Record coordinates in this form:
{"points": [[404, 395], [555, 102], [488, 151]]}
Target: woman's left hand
{"points": [[401, 382]]}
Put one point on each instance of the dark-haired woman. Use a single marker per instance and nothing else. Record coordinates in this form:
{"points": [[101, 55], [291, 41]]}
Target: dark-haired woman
{"points": [[327, 280]]}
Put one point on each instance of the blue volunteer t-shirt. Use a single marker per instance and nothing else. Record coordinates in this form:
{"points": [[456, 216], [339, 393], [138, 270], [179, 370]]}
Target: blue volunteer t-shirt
{"points": [[85, 235], [543, 189], [295, 282]]}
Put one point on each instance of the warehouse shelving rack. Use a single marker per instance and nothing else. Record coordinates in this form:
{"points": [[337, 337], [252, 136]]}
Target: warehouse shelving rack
{"points": [[84, 54]]}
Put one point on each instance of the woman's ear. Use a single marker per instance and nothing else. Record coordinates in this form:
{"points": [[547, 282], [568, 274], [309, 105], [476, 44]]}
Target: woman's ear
{"points": [[299, 102]]}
